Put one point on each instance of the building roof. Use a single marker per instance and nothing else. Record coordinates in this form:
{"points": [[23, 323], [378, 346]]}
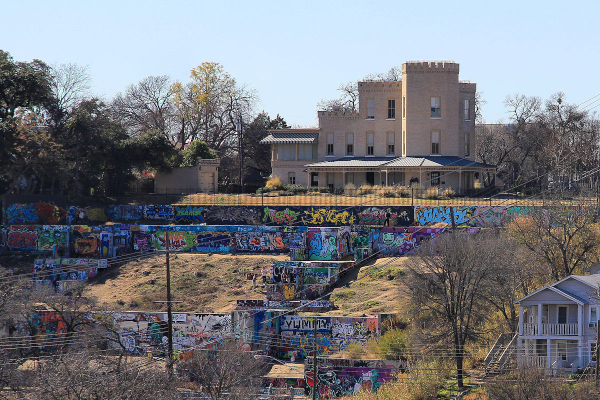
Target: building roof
{"points": [[564, 293], [286, 371], [291, 137], [430, 161]]}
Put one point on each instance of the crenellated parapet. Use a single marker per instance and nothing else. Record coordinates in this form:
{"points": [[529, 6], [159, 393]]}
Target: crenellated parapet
{"points": [[430, 67]]}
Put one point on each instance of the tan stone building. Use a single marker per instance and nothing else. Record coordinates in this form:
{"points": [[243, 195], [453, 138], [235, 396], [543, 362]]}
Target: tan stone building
{"points": [[420, 129], [202, 178]]}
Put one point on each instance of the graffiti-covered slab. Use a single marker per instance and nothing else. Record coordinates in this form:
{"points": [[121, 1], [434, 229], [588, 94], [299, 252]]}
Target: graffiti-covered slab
{"points": [[53, 237], [322, 244], [346, 331], [35, 213], [395, 241], [86, 215], [386, 216], [22, 237], [159, 212]]}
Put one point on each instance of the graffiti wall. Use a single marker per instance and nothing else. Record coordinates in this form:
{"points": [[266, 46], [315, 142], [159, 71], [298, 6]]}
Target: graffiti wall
{"points": [[54, 238], [86, 215], [395, 241], [338, 216], [322, 244], [298, 339], [22, 237], [343, 377], [53, 270], [346, 331], [34, 213]]}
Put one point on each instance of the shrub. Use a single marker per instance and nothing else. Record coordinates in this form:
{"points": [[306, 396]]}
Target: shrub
{"points": [[431, 193], [448, 193], [350, 189], [365, 189], [274, 183], [292, 190], [403, 191], [393, 344]]}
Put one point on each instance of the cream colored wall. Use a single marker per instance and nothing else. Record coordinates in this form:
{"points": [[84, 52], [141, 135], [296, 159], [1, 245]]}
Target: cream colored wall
{"points": [[421, 81], [282, 168], [197, 178]]}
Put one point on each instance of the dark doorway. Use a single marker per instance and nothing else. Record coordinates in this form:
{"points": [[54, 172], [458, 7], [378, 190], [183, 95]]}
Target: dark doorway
{"points": [[314, 179], [371, 178]]}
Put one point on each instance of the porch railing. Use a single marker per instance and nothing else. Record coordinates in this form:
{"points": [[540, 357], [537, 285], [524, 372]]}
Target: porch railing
{"points": [[535, 361], [530, 329], [560, 329]]}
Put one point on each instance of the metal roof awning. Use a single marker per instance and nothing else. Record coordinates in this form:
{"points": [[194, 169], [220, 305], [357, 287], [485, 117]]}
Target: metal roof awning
{"points": [[287, 371], [291, 137]]}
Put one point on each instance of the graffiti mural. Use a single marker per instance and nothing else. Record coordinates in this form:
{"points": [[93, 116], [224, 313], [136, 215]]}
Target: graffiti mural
{"points": [[190, 214], [53, 237], [277, 216], [297, 336], [390, 216], [283, 291], [22, 237], [346, 331], [433, 216], [322, 244], [394, 241], [159, 212], [233, 215], [36, 213], [261, 242], [126, 213], [85, 215], [214, 242], [53, 270]]}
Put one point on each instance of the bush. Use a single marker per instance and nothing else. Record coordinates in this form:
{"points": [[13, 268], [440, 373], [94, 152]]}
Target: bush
{"points": [[350, 189], [365, 189], [393, 344], [263, 190], [431, 193], [448, 193], [403, 191], [292, 190], [274, 183]]}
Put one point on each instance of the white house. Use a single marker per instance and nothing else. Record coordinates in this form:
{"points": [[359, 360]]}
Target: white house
{"points": [[557, 324]]}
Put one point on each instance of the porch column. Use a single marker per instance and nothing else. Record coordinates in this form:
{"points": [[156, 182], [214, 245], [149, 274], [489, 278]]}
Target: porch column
{"points": [[579, 320], [539, 321], [520, 351], [343, 178], [580, 353], [386, 178], [420, 177], [459, 180], [520, 320], [549, 353], [309, 184]]}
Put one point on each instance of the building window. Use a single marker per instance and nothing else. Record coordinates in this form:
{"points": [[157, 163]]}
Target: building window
{"points": [[330, 144], [330, 180], [349, 177], [467, 110], [435, 107], [349, 144], [292, 178], [391, 109], [467, 144], [305, 152], [435, 142], [593, 315], [391, 141], [286, 152], [404, 107], [403, 143], [370, 143], [435, 178], [370, 109]]}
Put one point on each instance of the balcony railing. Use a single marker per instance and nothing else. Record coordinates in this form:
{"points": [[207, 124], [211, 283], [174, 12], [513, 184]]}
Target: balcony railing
{"points": [[535, 361], [551, 329], [559, 329]]}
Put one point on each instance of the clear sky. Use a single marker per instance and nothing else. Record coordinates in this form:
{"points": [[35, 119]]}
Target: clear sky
{"points": [[295, 53]]}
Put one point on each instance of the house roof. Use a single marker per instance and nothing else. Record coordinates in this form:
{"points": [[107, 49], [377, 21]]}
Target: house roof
{"points": [[429, 161], [563, 293], [352, 162], [286, 371], [291, 137]]}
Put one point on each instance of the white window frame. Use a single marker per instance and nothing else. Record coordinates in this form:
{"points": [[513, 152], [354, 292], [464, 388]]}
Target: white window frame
{"points": [[391, 144], [592, 323], [291, 178], [435, 147], [370, 144], [391, 110], [558, 307], [349, 144], [370, 108], [436, 107], [329, 151]]}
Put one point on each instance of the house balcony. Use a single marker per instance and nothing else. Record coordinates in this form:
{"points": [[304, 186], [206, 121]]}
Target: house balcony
{"points": [[551, 329]]}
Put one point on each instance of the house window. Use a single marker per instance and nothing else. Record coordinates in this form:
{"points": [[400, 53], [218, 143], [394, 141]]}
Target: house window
{"points": [[467, 144], [562, 314], [305, 152], [286, 152], [349, 144], [404, 107], [467, 110], [391, 141], [435, 178], [370, 143], [435, 107], [370, 109], [330, 144], [330, 180], [593, 315], [403, 143], [435, 142], [391, 109], [292, 178]]}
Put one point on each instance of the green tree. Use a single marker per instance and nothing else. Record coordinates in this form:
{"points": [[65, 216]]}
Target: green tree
{"points": [[196, 149], [257, 156]]}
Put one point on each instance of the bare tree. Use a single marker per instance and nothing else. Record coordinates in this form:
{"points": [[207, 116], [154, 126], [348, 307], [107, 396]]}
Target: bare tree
{"points": [[447, 279], [225, 372], [70, 83], [562, 239], [147, 105], [347, 102]]}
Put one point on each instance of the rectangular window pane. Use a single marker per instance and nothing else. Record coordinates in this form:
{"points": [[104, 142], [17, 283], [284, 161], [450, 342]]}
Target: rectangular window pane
{"points": [[435, 142], [349, 144], [404, 107], [292, 178], [370, 142], [467, 110], [391, 109], [315, 151], [593, 315], [391, 139], [435, 179], [370, 109], [435, 107], [330, 144], [467, 144]]}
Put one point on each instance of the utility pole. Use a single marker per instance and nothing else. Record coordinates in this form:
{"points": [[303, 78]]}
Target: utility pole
{"points": [[315, 349], [169, 308], [239, 129]]}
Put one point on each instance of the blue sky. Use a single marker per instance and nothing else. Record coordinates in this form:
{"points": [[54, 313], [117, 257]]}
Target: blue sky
{"points": [[296, 53]]}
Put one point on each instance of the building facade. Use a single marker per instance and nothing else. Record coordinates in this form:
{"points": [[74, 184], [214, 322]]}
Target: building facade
{"points": [[418, 130], [201, 178]]}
